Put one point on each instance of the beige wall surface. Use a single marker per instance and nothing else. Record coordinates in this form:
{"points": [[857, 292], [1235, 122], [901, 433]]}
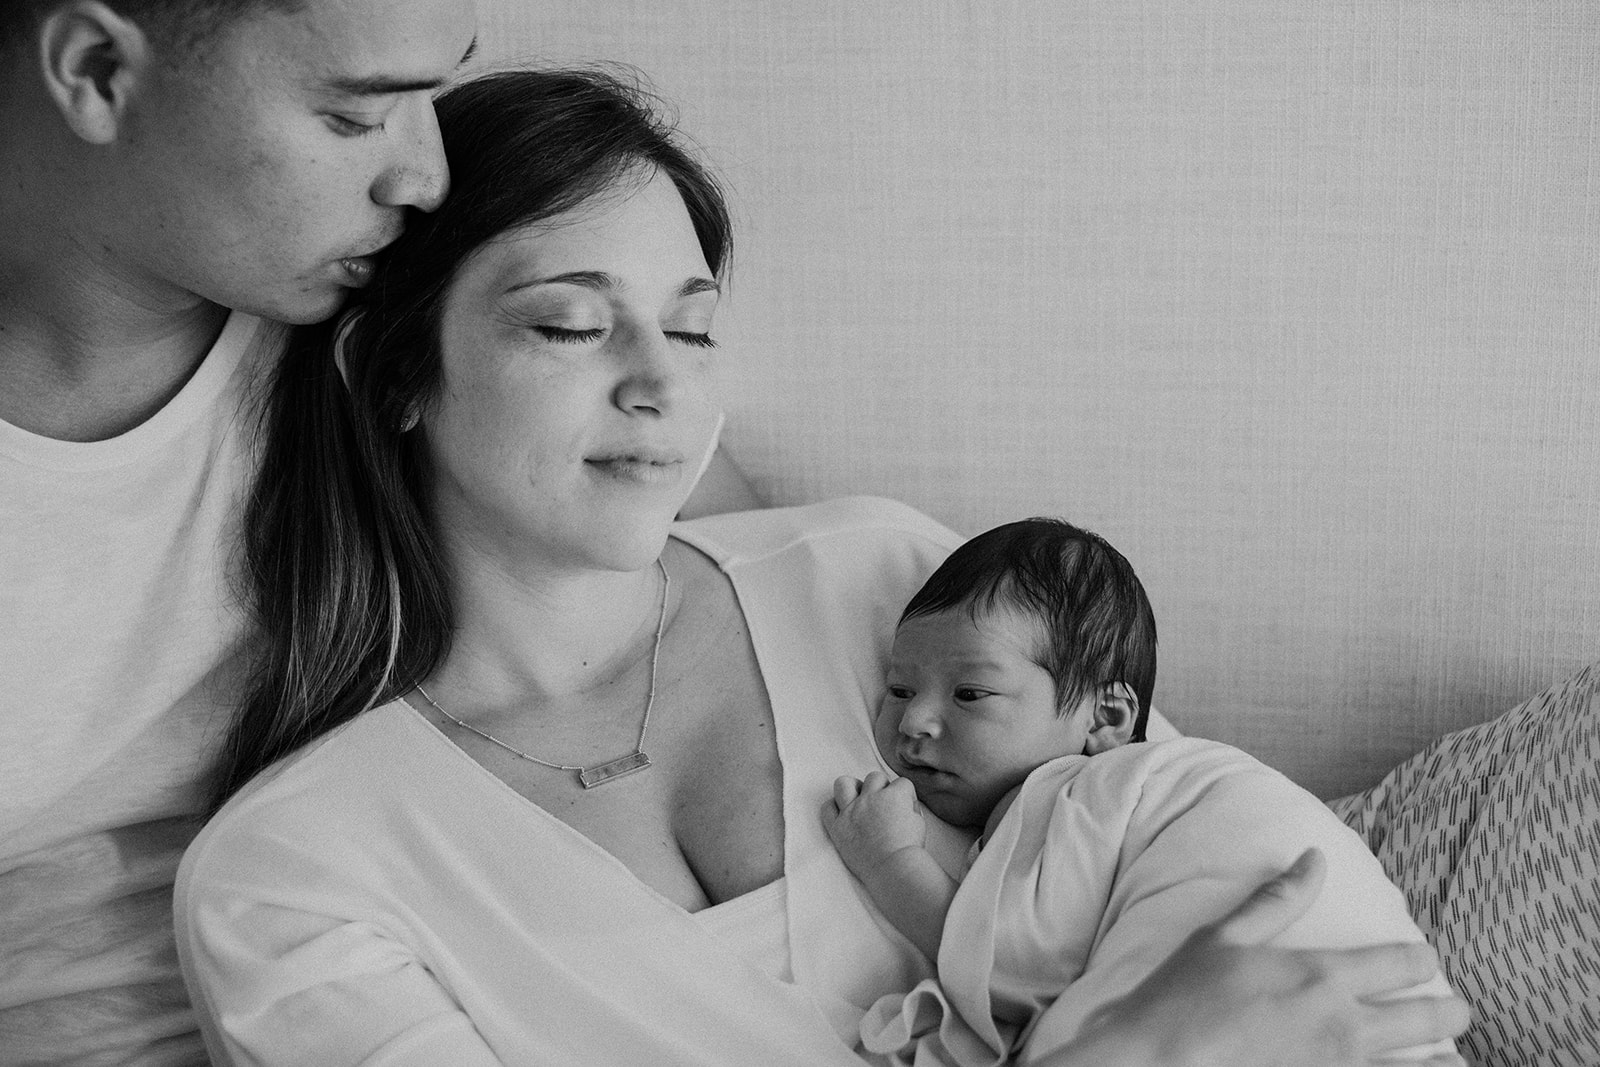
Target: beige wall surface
{"points": [[1298, 304]]}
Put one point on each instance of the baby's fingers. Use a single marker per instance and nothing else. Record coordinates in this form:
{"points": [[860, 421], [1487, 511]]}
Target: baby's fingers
{"points": [[874, 781], [845, 791]]}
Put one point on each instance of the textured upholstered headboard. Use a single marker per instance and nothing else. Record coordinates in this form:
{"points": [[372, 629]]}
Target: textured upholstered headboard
{"points": [[1298, 304]]}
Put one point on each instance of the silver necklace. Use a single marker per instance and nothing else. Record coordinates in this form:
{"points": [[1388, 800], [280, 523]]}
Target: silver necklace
{"points": [[590, 777]]}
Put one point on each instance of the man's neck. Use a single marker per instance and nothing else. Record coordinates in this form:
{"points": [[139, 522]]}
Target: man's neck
{"points": [[80, 365]]}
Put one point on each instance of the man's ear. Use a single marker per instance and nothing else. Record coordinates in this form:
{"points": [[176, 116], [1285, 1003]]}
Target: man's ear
{"points": [[92, 58], [1115, 711]]}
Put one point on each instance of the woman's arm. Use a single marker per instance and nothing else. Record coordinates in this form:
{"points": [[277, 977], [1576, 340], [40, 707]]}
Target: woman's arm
{"points": [[280, 985], [1226, 998]]}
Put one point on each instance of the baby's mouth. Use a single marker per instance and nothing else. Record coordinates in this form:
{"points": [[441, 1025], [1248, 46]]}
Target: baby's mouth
{"points": [[913, 764]]}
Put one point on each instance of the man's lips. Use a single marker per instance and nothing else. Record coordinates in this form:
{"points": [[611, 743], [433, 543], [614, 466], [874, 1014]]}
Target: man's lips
{"points": [[357, 270]]}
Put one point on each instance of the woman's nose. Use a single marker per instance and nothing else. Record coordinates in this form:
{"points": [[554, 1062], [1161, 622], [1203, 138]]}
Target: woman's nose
{"points": [[652, 373]]}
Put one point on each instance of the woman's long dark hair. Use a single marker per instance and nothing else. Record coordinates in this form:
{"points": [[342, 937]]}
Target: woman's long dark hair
{"points": [[340, 561]]}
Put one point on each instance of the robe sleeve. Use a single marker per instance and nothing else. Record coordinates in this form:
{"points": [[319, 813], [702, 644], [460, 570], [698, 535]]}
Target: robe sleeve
{"points": [[286, 985]]}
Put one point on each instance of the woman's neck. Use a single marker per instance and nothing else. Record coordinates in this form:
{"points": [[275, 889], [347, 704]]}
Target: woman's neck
{"points": [[538, 636]]}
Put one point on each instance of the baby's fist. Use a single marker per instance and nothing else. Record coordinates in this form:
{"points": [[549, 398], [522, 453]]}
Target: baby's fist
{"points": [[871, 819]]}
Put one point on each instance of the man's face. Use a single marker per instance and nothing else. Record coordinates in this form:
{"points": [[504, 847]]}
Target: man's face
{"points": [[271, 163]]}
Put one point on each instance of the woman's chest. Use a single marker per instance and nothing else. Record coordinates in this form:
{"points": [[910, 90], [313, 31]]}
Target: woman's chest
{"points": [[703, 823]]}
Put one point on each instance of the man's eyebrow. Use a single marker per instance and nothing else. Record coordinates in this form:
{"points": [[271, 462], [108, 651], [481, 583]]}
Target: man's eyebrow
{"points": [[383, 84]]}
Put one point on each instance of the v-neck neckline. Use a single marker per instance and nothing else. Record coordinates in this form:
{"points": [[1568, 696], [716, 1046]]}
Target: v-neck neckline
{"points": [[582, 840], [588, 843]]}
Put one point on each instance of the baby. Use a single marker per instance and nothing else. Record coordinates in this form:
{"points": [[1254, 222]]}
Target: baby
{"points": [[1019, 677]]}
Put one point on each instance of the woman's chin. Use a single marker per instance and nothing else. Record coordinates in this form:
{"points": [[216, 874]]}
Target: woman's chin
{"points": [[630, 543]]}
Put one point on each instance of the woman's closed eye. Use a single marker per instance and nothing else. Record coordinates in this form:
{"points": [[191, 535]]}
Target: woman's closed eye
{"points": [[699, 340], [566, 335]]}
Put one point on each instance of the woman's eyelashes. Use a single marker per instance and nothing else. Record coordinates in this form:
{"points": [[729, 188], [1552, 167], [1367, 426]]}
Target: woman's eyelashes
{"points": [[566, 335], [699, 340]]}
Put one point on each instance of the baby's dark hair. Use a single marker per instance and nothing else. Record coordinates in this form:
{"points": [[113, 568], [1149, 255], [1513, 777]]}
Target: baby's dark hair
{"points": [[1095, 620]]}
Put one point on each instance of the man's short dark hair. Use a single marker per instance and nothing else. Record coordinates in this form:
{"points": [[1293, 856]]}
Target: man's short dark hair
{"points": [[1096, 624], [185, 21]]}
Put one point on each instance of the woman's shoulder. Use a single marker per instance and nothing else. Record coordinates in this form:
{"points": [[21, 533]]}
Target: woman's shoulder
{"points": [[309, 803], [852, 523]]}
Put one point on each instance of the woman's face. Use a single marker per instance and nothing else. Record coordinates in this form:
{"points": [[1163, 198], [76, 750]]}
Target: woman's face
{"points": [[575, 402]]}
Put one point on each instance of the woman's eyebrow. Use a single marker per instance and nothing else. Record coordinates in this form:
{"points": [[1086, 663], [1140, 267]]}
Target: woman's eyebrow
{"points": [[600, 280]]}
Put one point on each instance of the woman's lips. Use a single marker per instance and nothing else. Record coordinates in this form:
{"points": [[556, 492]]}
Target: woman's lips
{"points": [[645, 467]]}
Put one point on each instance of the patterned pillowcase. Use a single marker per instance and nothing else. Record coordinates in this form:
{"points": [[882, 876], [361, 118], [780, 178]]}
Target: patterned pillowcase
{"points": [[1493, 834]]}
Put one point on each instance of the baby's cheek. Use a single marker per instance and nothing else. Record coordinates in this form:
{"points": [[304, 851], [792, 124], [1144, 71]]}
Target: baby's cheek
{"points": [[883, 731]]}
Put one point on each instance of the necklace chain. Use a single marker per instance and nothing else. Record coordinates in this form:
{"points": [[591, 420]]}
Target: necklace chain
{"points": [[590, 777]]}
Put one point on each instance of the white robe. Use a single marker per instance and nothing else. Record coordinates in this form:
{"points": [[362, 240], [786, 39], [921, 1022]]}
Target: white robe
{"points": [[383, 899]]}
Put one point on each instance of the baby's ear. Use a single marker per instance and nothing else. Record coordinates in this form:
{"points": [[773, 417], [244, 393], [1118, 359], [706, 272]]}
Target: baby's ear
{"points": [[1116, 709]]}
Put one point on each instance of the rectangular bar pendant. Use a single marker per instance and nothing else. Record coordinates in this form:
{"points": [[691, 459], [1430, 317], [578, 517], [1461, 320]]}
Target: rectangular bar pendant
{"points": [[617, 768]]}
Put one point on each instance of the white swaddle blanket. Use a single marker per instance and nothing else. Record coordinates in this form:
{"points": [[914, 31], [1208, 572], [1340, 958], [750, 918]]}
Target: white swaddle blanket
{"points": [[1101, 868]]}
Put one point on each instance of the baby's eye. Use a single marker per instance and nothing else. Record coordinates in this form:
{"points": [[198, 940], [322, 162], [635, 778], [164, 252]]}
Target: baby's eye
{"points": [[899, 692], [966, 694], [566, 336]]}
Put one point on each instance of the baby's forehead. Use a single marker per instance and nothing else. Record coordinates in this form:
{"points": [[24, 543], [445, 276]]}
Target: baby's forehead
{"points": [[975, 633]]}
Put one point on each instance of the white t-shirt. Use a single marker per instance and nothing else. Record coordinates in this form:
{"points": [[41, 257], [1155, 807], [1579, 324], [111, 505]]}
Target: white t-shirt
{"points": [[120, 653], [383, 899]]}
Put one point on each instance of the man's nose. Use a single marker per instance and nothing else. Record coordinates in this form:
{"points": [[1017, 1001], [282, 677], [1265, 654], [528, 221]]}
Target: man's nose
{"points": [[418, 176]]}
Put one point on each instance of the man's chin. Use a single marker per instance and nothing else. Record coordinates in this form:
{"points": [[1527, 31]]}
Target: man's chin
{"points": [[300, 309]]}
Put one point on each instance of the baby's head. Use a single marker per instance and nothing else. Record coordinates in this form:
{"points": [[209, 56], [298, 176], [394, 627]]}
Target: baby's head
{"points": [[1032, 641]]}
